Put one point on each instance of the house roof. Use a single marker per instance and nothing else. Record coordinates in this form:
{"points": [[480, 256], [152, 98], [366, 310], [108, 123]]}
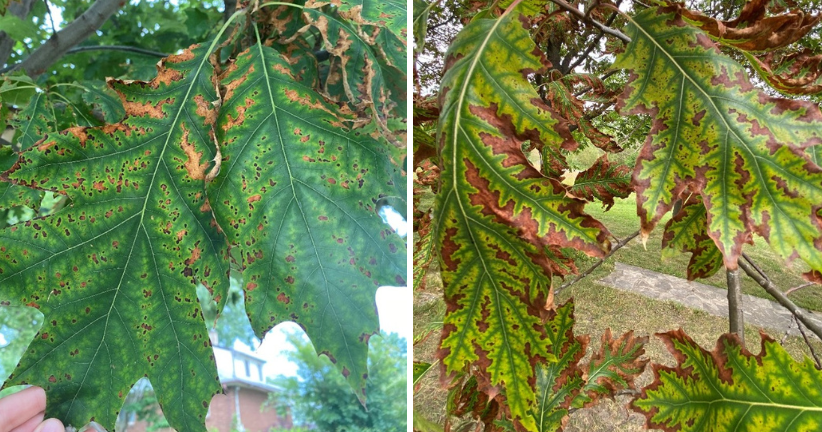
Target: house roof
{"points": [[256, 385], [238, 353]]}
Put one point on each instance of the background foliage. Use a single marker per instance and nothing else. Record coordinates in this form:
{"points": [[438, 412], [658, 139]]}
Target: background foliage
{"points": [[322, 399]]}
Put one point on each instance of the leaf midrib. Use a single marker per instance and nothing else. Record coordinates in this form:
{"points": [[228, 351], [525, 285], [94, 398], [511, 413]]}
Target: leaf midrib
{"points": [[455, 133]]}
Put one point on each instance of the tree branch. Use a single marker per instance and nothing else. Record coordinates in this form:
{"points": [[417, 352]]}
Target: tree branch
{"points": [[735, 315], [72, 34], [756, 267], [51, 18], [780, 297], [116, 48], [595, 43], [605, 29], [230, 7], [586, 89], [808, 343], [797, 288], [591, 269]]}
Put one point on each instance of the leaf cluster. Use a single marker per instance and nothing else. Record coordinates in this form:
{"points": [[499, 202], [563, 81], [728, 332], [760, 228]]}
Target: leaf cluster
{"points": [[261, 156], [528, 84]]}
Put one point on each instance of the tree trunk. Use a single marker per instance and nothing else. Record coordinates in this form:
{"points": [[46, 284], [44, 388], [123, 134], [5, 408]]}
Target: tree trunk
{"points": [[735, 305], [230, 7]]}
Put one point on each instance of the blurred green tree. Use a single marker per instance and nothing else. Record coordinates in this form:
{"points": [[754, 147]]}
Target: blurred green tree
{"points": [[322, 399]]}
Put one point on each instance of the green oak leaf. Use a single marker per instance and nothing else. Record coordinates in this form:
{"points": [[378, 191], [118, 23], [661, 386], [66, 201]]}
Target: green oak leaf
{"points": [[567, 383], [18, 29], [420, 23], [529, 8], [614, 367], [500, 224], [420, 369], [17, 88], [730, 389], [716, 135], [104, 98], [8, 157], [13, 196], [391, 14], [33, 122], [297, 194], [687, 232], [115, 273]]}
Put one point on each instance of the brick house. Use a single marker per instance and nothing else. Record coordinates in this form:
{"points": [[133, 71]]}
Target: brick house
{"points": [[242, 405]]}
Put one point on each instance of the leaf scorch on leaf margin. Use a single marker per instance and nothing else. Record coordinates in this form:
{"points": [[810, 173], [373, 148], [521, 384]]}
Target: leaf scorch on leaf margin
{"points": [[729, 388], [686, 232], [715, 134], [500, 223]]}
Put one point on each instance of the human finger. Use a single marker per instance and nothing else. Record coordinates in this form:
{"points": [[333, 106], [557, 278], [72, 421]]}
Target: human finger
{"points": [[30, 424], [51, 425], [18, 408]]}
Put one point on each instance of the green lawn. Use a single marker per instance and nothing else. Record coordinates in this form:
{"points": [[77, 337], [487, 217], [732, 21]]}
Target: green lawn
{"points": [[621, 220]]}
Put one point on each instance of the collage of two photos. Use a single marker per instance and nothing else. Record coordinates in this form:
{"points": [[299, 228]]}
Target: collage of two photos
{"points": [[357, 215]]}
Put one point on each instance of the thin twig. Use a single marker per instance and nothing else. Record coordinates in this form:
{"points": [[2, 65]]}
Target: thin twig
{"points": [[595, 42], [736, 318], [590, 270], [51, 18], [808, 343], [755, 266], [117, 48], [797, 288], [780, 297], [602, 78], [605, 29]]}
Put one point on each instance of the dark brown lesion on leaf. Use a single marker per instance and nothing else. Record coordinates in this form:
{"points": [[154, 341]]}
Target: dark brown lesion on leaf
{"points": [[509, 140], [448, 249], [528, 229]]}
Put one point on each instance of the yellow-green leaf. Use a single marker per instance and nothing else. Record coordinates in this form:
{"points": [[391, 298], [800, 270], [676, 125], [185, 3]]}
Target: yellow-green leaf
{"points": [[717, 135], [500, 223], [730, 389], [687, 232]]}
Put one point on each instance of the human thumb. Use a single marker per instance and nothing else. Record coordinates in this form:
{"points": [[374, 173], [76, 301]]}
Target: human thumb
{"points": [[51, 425]]}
